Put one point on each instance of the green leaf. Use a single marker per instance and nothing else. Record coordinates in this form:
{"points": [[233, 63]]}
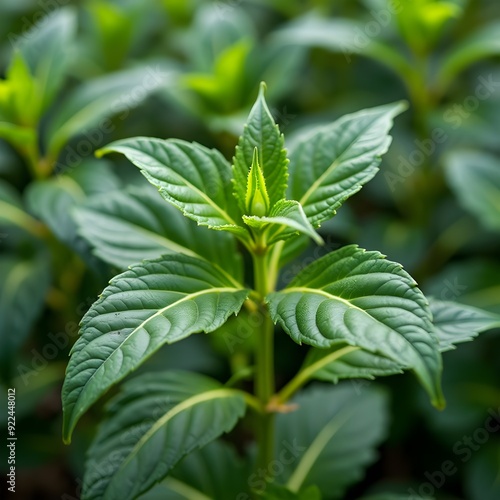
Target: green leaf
{"points": [[113, 22], [191, 177], [214, 472], [156, 420], [343, 362], [19, 101], [12, 211], [456, 323], [483, 43], [332, 437], [154, 303], [23, 286], [46, 49], [93, 102], [261, 132], [475, 179], [481, 474], [421, 22], [53, 200], [359, 298], [333, 162], [22, 138], [342, 36], [126, 227], [286, 219], [224, 87]]}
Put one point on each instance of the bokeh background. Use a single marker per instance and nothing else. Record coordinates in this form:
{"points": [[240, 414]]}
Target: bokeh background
{"points": [[76, 75]]}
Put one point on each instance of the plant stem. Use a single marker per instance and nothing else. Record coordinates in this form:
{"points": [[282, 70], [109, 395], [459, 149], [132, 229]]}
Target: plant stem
{"points": [[264, 360]]}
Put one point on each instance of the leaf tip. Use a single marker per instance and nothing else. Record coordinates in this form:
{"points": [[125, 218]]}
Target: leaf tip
{"points": [[401, 107], [439, 404], [99, 153], [66, 432]]}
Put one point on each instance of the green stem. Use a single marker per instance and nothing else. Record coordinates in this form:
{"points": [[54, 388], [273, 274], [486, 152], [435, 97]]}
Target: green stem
{"points": [[264, 360]]}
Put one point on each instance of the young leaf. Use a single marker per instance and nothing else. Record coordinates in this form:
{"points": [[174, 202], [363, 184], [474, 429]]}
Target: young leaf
{"points": [[475, 179], [421, 23], [224, 86], [126, 227], [286, 219], [23, 285], [359, 298], [156, 420], [191, 177], [261, 132], [256, 199], [154, 303], [456, 323], [332, 437], [333, 162], [19, 100]]}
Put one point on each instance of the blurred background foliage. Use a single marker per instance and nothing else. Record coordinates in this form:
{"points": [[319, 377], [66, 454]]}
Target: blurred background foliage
{"points": [[78, 74]]}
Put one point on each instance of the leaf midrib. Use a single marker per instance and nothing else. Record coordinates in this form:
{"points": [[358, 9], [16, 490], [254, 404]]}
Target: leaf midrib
{"points": [[221, 393], [315, 449], [137, 329], [350, 304], [185, 489], [225, 215]]}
